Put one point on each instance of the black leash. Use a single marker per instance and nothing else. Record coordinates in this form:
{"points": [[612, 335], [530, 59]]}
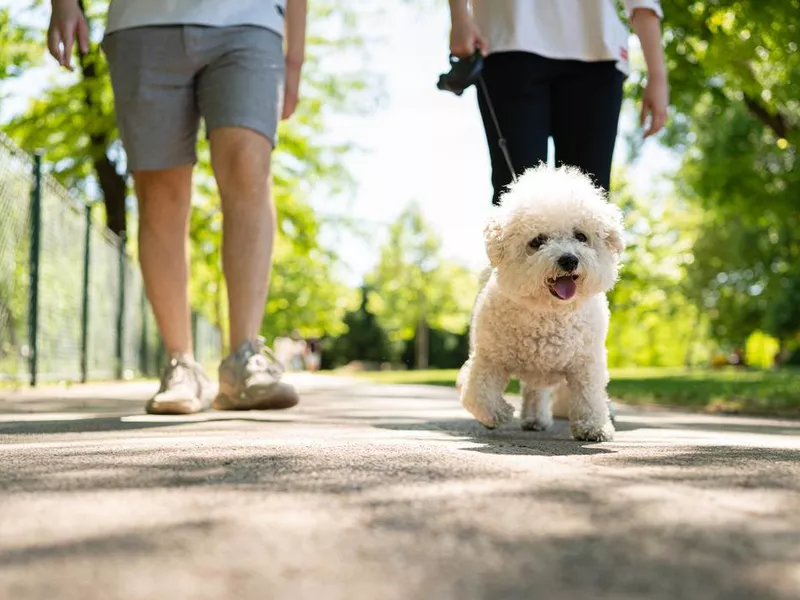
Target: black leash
{"points": [[463, 73], [500, 139]]}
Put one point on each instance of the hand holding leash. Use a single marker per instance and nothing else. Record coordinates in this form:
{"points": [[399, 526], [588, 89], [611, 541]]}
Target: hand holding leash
{"points": [[465, 72]]}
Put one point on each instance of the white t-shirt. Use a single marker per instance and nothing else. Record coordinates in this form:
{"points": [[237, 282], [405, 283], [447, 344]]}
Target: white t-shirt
{"points": [[124, 14], [588, 30]]}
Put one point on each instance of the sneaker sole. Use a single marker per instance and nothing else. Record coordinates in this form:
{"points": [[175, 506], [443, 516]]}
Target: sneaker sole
{"points": [[174, 407], [224, 402]]}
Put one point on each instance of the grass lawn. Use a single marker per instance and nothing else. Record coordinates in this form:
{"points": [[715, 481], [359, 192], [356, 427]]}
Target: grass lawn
{"points": [[726, 390]]}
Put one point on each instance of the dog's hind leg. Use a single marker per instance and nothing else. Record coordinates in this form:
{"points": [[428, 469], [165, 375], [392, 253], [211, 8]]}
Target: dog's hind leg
{"points": [[536, 408], [560, 401]]}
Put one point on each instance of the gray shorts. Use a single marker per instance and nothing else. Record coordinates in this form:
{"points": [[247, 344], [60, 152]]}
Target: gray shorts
{"points": [[165, 78]]}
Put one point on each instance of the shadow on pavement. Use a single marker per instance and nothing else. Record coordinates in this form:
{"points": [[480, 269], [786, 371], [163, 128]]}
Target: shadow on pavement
{"points": [[509, 439], [626, 552], [137, 542], [92, 424]]}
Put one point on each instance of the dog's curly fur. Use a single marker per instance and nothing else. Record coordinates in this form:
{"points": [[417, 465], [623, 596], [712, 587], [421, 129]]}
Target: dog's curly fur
{"points": [[553, 227]]}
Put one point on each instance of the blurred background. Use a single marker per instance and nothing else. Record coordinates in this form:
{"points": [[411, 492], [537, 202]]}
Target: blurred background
{"points": [[382, 185]]}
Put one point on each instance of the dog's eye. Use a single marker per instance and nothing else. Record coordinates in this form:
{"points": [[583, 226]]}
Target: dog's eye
{"points": [[581, 237], [537, 242]]}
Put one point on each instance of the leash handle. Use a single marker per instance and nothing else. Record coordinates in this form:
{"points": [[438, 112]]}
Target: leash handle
{"points": [[501, 141]]}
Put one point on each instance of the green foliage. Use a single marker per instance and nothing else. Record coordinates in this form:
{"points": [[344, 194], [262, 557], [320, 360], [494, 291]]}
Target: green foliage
{"points": [[735, 79], [652, 321], [760, 350], [62, 122], [746, 184], [727, 51], [306, 294], [447, 350], [19, 49], [364, 340], [73, 122], [413, 283]]}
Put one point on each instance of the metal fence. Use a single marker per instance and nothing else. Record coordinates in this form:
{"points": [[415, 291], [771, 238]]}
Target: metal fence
{"points": [[72, 303]]}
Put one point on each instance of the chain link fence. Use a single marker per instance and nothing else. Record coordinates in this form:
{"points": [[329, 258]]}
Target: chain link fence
{"points": [[72, 303]]}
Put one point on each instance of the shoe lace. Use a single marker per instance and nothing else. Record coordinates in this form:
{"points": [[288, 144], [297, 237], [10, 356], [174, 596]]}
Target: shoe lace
{"points": [[263, 359], [179, 370]]}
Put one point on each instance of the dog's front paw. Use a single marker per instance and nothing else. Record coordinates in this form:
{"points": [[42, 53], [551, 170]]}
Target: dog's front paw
{"points": [[588, 431], [491, 414], [536, 424]]}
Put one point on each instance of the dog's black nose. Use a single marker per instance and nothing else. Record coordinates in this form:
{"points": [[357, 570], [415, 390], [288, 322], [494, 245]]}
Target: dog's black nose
{"points": [[568, 262]]}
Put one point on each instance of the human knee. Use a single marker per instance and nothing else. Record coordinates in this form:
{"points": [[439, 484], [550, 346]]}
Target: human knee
{"points": [[164, 190], [241, 160]]}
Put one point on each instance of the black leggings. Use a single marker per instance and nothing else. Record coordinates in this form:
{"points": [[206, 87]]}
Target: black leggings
{"points": [[575, 102]]}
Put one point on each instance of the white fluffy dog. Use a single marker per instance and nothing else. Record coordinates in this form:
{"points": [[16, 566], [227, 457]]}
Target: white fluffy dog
{"points": [[542, 315]]}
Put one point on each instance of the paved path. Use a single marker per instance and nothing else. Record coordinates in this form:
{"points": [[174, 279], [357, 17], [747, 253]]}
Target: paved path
{"points": [[366, 492]]}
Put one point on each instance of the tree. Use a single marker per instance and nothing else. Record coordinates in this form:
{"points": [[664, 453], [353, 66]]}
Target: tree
{"points": [[364, 340], [725, 51], [745, 182], [735, 82], [415, 288]]}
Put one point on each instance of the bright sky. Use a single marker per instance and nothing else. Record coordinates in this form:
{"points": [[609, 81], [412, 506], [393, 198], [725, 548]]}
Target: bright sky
{"points": [[423, 144]]}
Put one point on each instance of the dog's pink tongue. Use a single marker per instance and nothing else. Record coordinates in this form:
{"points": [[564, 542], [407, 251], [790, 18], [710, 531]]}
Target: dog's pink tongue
{"points": [[565, 287]]}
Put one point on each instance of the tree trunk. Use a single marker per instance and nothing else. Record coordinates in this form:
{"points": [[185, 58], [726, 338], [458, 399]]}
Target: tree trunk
{"points": [[689, 357], [423, 345], [113, 185]]}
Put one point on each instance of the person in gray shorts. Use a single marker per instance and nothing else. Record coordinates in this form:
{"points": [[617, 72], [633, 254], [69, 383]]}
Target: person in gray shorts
{"points": [[171, 64]]}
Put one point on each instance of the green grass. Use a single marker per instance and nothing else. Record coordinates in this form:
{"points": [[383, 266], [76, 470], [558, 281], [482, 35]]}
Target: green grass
{"points": [[724, 390]]}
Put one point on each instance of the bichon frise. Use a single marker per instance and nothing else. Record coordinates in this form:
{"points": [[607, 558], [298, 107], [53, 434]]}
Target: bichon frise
{"points": [[542, 316]]}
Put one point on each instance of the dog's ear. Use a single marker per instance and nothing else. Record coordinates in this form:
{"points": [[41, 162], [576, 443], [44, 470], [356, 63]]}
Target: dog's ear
{"points": [[614, 241], [613, 229], [494, 240]]}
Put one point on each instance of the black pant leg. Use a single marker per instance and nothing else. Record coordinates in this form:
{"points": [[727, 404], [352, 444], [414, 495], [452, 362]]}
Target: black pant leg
{"points": [[586, 103], [518, 86]]}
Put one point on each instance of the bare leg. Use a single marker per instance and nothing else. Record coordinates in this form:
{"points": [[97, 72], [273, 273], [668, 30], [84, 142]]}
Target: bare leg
{"points": [[164, 203], [482, 394], [241, 161], [536, 412]]}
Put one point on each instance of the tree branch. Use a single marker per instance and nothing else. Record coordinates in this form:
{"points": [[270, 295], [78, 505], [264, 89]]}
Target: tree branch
{"points": [[775, 121], [112, 184]]}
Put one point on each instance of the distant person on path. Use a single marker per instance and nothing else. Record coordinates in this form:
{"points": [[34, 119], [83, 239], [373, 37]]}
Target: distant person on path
{"points": [[298, 351], [313, 355], [172, 63], [556, 68]]}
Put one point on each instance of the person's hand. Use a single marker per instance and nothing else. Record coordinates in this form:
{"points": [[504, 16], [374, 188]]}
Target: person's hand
{"points": [[291, 89], [654, 104], [67, 23], [465, 37]]}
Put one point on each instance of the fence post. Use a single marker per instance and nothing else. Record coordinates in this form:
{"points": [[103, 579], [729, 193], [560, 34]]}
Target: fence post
{"points": [[87, 242], [144, 368], [33, 282], [121, 309]]}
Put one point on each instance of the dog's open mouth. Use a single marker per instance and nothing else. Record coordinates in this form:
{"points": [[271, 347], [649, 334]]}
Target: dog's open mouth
{"points": [[564, 287]]}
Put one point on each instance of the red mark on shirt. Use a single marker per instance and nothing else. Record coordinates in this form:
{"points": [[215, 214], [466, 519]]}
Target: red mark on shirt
{"points": [[623, 52]]}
